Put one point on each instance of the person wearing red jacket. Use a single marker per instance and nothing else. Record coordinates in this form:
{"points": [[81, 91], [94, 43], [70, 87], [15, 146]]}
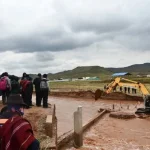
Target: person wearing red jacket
{"points": [[27, 89]]}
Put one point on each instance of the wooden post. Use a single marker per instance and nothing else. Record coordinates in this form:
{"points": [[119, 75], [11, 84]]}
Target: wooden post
{"points": [[78, 133], [113, 106]]}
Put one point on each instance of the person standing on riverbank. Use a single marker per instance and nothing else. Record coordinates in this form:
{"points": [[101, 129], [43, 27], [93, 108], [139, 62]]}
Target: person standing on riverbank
{"points": [[44, 89], [36, 83]]}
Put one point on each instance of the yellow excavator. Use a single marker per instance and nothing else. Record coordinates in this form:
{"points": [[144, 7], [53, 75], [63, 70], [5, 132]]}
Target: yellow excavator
{"points": [[123, 82]]}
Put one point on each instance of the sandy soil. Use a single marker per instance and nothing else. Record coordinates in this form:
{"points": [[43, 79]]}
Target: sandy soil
{"points": [[34, 114]]}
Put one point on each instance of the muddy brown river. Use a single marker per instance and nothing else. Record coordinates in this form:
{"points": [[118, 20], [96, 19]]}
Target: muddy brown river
{"points": [[108, 133], [65, 107]]}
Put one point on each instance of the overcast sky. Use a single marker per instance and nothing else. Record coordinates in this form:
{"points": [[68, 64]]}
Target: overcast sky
{"points": [[50, 36]]}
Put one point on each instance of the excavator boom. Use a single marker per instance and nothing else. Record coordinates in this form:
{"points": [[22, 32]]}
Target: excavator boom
{"points": [[112, 85], [130, 83]]}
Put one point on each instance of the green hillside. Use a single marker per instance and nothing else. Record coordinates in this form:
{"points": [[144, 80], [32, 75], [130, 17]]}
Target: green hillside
{"points": [[103, 73], [82, 71], [137, 68]]}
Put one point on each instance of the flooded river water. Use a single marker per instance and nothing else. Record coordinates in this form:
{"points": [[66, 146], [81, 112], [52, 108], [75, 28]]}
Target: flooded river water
{"points": [[65, 107], [108, 133]]}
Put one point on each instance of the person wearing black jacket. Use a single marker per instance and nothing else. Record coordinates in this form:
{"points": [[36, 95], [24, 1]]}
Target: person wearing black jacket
{"points": [[36, 83], [15, 86], [44, 89]]}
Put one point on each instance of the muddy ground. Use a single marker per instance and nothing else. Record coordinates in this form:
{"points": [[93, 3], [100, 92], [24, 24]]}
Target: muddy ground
{"points": [[98, 136], [34, 115]]}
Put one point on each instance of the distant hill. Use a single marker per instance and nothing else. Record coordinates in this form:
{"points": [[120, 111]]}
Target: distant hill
{"points": [[90, 71], [82, 71], [137, 68]]}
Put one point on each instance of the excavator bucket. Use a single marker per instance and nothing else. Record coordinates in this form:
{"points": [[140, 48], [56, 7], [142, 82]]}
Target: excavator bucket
{"points": [[98, 94]]}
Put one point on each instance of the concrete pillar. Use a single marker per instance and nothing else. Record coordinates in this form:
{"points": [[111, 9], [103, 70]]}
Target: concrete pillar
{"points": [[78, 131], [80, 114]]}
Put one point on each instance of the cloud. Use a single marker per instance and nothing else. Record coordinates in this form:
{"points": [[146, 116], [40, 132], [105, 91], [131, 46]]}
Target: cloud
{"points": [[64, 25], [44, 57], [38, 34]]}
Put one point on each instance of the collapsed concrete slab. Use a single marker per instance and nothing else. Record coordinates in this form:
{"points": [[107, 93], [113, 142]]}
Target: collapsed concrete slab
{"points": [[122, 115]]}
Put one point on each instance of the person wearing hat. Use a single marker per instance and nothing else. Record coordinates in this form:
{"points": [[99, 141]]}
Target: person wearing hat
{"points": [[44, 89], [27, 89], [16, 133], [36, 83]]}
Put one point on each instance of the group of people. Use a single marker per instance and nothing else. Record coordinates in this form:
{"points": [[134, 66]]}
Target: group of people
{"points": [[41, 89], [11, 84], [16, 132]]}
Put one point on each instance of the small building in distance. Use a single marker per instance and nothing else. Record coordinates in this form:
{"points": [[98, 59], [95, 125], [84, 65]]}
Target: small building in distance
{"points": [[148, 75], [121, 74], [93, 78]]}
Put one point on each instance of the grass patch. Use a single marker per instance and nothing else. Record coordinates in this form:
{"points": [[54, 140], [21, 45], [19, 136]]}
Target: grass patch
{"points": [[86, 85]]}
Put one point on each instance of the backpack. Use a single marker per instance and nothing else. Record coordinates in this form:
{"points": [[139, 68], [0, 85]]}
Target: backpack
{"points": [[3, 83], [24, 84], [43, 85]]}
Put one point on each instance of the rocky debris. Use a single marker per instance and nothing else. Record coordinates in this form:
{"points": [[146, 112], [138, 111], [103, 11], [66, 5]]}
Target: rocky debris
{"points": [[122, 115]]}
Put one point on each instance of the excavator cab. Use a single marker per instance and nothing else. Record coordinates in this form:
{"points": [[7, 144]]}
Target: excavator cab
{"points": [[145, 110], [147, 101]]}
